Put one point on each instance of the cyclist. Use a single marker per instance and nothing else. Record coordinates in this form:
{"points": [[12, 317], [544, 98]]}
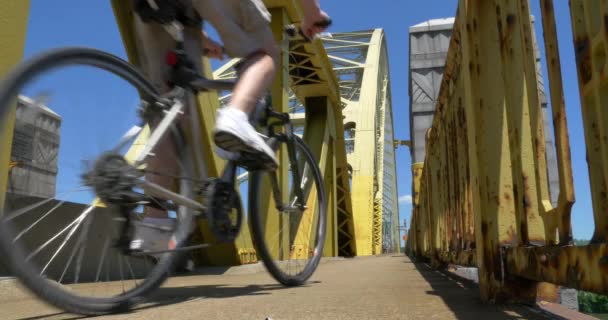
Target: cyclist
{"points": [[244, 26]]}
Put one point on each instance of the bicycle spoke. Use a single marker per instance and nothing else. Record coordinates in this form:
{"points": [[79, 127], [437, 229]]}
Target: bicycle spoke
{"points": [[306, 244], [79, 244], [20, 212], [77, 220], [67, 265], [80, 258], [131, 271], [67, 238], [103, 256], [37, 221], [279, 243]]}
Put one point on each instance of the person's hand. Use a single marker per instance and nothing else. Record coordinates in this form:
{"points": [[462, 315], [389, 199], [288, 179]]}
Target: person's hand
{"points": [[213, 49], [309, 27]]}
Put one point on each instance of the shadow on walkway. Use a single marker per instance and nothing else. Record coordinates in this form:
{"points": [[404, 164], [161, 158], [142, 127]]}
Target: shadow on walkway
{"points": [[173, 295], [461, 295]]}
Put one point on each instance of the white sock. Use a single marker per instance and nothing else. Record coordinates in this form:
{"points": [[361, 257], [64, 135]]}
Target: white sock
{"points": [[235, 113]]}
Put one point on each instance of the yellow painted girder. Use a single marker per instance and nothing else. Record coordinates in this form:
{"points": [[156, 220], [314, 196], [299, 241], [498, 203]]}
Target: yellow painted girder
{"points": [[13, 28], [483, 192]]}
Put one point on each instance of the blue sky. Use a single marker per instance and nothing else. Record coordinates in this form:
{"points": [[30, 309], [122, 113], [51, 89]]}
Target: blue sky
{"points": [[60, 23]]}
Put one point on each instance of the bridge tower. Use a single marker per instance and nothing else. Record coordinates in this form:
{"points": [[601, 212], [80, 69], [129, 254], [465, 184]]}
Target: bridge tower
{"points": [[360, 61]]}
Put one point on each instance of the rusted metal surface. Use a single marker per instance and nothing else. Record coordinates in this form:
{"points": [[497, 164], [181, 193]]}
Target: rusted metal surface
{"points": [[465, 258], [589, 27], [481, 198], [560, 217], [583, 268]]}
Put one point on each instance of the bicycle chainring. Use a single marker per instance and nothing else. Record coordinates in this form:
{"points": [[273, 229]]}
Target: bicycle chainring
{"points": [[224, 210]]}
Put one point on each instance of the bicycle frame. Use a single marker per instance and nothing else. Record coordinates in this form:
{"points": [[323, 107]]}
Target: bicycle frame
{"points": [[172, 105]]}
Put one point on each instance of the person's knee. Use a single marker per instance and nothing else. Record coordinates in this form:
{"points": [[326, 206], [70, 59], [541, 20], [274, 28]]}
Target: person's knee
{"points": [[269, 52], [272, 50]]}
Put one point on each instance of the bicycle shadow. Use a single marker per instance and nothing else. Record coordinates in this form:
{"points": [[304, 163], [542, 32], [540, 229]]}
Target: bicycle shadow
{"points": [[172, 295], [167, 296]]}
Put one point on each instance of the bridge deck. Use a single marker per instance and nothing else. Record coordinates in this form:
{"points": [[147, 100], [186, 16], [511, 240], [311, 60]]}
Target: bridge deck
{"points": [[362, 288]]}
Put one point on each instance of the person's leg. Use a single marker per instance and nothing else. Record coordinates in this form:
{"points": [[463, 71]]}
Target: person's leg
{"points": [[257, 73], [245, 31], [152, 43]]}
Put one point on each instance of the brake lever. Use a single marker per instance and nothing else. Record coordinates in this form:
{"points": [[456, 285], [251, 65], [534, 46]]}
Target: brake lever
{"points": [[294, 31]]}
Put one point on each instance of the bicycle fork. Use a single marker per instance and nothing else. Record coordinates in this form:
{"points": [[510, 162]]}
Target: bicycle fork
{"points": [[295, 175]]}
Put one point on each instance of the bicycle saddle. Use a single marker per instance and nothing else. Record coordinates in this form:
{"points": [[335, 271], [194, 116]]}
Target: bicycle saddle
{"points": [[167, 11]]}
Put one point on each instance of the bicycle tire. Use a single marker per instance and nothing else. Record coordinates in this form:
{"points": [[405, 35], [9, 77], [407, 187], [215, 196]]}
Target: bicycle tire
{"points": [[13, 257], [258, 230]]}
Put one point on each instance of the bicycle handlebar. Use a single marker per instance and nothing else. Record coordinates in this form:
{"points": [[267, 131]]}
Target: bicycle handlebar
{"points": [[294, 31]]}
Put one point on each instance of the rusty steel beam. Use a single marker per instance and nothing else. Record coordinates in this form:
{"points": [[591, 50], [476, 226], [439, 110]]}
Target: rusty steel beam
{"points": [[559, 217], [461, 258], [583, 268], [588, 29], [481, 197], [484, 185]]}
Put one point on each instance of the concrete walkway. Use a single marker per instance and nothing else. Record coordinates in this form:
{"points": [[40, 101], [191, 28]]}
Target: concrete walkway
{"points": [[362, 288]]}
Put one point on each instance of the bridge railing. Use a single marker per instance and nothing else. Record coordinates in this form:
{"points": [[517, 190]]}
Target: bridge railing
{"points": [[482, 198]]}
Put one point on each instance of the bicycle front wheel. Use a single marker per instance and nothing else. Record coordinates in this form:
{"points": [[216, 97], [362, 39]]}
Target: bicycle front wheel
{"points": [[290, 238], [56, 237]]}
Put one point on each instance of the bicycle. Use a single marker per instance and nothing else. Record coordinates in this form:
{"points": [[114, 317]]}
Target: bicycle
{"points": [[123, 188]]}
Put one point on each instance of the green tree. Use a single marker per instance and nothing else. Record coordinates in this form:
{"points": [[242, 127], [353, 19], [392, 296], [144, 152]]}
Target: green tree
{"points": [[592, 303]]}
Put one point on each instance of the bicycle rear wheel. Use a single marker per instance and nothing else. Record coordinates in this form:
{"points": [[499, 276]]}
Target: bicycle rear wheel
{"points": [[56, 237], [289, 240]]}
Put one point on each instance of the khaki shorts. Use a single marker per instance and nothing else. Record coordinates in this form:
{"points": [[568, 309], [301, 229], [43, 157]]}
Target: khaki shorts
{"points": [[243, 25]]}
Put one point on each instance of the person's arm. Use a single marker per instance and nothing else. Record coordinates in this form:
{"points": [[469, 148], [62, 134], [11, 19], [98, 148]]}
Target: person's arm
{"points": [[312, 14], [310, 7]]}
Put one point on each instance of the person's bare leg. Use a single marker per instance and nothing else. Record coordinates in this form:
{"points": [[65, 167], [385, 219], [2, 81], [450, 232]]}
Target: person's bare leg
{"points": [[257, 75], [233, 132], [152, 44], [163, 161]]}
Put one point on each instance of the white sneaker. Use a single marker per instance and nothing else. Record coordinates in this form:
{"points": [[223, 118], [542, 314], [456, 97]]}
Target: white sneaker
{"points": [[234, 133]]}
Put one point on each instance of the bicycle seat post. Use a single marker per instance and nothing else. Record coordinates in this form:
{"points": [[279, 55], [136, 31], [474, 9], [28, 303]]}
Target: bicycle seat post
{"points": [[176, 30]]}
